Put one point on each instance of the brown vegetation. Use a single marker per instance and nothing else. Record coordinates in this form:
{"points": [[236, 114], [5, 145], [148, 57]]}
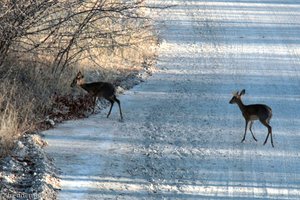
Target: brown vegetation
{"points": [[44, 43]]}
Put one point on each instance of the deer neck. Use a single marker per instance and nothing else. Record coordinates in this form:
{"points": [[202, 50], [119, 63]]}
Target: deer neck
{"points": [[241, 105], [81, 83]]}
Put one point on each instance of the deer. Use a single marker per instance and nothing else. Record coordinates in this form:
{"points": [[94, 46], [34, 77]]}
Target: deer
{"points": [[253, 112], [98, 89]]}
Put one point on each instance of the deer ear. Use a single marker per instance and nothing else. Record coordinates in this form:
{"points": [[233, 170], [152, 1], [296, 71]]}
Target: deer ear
{"points": [[80, 75], [235, 93], [242, 92]]}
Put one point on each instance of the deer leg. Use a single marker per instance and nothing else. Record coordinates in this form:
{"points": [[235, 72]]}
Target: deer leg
{"points": [[251, 123], [112, 104], [271, 137], [245, 131], [119, 104], [269, 132], [94, 102]]}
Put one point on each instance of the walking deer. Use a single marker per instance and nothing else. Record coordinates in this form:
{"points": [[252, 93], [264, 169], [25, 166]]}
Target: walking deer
{"points": [[253, 112], [98, 89]]}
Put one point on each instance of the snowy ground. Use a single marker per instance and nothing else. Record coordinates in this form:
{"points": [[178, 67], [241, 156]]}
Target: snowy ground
{"points": [[181, 137]]}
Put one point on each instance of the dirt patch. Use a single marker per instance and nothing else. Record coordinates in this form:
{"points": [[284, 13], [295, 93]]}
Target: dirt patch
{"points": [[28, 173]]}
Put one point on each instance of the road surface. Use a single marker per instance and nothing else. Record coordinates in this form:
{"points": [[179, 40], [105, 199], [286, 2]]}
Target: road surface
{"points": [[181, 139]]}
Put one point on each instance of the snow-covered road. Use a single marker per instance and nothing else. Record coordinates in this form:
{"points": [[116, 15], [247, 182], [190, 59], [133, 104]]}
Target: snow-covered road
{"points": [[181, 137]]}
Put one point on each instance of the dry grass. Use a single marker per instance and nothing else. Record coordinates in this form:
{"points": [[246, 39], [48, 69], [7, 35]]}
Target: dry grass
{"points": [[25, 98], [28, 86], [112, 64]]}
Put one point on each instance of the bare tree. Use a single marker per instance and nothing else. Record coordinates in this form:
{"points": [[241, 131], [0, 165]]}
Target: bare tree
{"points": [[63, 32], [16, 18]]}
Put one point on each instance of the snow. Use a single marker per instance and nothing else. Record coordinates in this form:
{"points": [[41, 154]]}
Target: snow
{"points": [[181, 138]]}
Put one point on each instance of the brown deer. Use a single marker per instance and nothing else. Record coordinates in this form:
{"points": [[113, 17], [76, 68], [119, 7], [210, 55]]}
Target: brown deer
{"points": [[98, 89], [253, 112]]}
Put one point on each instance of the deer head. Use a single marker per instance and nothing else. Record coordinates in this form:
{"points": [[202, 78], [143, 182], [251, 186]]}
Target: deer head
{"points": [[237, 96], [78, 79]]}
